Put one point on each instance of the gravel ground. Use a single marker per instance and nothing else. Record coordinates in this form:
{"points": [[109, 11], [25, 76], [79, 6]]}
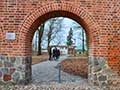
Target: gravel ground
{"points": [[51, 86]]}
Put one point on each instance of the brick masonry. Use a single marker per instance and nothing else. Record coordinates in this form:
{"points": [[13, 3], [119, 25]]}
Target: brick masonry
{"points": [[99, 18]]}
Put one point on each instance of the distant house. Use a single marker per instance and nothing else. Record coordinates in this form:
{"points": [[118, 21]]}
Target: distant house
{"points": [[63, 48], [44, 51]]}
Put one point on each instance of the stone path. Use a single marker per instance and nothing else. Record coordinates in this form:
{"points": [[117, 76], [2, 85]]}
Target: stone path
{"points": [[46, 72], [51, 86]]}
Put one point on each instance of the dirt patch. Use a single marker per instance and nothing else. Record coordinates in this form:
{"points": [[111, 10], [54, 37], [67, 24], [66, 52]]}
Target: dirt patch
{"points": [[76, 66], [38, 59]]}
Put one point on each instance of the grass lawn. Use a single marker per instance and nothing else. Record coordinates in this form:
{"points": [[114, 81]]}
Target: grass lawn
{"points": [[38, 59]]}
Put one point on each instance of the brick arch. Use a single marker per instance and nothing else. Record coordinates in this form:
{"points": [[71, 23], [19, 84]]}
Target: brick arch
{"points": [[75, 12], [41, 14], [101, 25]]}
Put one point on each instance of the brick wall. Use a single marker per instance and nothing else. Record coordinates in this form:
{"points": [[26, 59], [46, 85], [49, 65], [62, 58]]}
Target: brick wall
{"points": [[100, 19]]}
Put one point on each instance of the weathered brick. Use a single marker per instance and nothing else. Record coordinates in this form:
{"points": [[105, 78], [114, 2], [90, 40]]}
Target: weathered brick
{"points": [[99, 18]]}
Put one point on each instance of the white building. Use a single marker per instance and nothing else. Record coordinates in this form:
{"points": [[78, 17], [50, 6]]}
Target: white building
{"points": [[63, 49]]}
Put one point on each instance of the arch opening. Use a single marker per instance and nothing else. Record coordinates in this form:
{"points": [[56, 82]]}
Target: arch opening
{"points": [[29, 27], [41, 19], [32, 22], [71, 56]]}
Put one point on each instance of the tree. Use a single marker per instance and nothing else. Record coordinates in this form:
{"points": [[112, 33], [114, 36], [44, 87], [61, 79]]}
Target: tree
{"points": [[69, 37], [40, 35], [83, 40], [81, 36], [53, 30]]}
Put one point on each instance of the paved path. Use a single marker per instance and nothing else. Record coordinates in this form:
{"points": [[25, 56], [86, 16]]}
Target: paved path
{"points": [[46, 72], [51, 86]]}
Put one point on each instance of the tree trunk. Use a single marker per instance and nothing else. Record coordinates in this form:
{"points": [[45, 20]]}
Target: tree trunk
{"points": [[83, 47], [49, 38], [48, 44], [39, 48], [41, 30]]}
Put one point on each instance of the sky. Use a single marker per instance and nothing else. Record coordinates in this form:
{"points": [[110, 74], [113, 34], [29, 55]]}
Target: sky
{"points": [[66, 25]]}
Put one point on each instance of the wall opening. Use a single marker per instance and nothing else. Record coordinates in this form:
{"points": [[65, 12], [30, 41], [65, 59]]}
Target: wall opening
{"points": [[32, 23], [70, 39]]}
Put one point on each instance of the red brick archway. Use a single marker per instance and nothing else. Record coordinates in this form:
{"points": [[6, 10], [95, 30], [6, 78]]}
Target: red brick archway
{"points": [[41, 14], [101, 25], [44, 13]]}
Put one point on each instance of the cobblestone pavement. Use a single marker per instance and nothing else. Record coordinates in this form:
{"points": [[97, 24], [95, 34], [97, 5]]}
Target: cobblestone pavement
{"points": [[51, 86], [46, 72]]}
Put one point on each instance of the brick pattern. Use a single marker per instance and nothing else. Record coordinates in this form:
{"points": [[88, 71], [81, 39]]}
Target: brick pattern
{"points": [[100, 18]]}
